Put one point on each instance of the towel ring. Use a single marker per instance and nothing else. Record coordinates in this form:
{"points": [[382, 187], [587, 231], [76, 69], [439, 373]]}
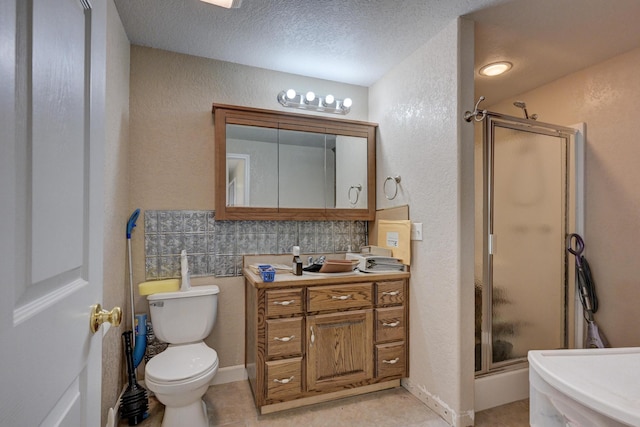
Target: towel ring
{"points": [[358, 190], [396, 180]]}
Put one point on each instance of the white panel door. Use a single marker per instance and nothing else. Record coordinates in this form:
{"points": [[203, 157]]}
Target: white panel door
{"points": [[52, 62]]}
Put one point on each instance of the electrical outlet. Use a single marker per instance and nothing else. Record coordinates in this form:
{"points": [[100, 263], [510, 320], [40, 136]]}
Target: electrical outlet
{"points": [[416, 231]]}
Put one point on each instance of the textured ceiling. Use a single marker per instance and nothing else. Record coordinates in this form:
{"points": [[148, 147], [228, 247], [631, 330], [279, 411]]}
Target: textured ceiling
{"points": [[350, 41], [548, 39], [358, 41]]}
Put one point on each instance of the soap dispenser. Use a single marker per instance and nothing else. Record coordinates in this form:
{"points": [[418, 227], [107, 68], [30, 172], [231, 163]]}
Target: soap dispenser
{"points": [[297, 262]]}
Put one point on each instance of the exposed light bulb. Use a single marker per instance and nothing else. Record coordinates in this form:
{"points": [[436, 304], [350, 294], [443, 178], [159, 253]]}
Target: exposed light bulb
{"points": [[329, 99], [310, 96], [347, 103], [291, 94]]}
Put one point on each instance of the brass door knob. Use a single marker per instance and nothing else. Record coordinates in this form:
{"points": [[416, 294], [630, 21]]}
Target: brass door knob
{"points": [[99, 316]]}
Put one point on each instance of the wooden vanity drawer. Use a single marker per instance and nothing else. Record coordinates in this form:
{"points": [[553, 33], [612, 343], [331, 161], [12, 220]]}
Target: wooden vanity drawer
{"points": [[284, 337], [284, 378], [390, 360], [390, 324], [391, 292], [339, 297], [284, 302]]}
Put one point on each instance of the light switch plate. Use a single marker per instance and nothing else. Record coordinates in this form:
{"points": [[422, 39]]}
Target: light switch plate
{"points": [[416, 231]]}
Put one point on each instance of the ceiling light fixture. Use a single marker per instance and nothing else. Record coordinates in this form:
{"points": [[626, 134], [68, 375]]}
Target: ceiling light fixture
{"points": [[311, 101], [229, 4], [495, 68]]}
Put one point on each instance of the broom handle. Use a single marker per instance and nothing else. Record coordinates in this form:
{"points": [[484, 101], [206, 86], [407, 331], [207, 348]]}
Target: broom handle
{"points": [[133, 311], [131, 224]]}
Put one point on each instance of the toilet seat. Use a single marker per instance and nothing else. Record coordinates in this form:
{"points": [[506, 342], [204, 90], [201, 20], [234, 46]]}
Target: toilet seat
{"points": [[182, 364]]}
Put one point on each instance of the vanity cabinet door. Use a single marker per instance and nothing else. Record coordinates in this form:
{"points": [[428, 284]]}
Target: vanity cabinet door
{"points": [[340, 349]]}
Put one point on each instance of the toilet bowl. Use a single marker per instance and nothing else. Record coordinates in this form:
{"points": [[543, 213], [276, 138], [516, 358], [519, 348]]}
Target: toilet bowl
{"points": [[181, 375]]}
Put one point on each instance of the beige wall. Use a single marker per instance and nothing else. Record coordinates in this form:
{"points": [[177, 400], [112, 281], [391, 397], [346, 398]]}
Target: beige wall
{"points": [[422, 137], [116, 202], [607, 98], [171, 150], [171, 167]]}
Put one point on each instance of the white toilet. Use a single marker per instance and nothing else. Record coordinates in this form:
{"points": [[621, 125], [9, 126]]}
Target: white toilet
{"points": [[180, 375]]}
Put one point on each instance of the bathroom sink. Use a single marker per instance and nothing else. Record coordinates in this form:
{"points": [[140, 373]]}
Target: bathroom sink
{"points": [[344, 273]]}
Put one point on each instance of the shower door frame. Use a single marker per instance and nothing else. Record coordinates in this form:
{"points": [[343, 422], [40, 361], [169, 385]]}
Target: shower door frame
{"points": [[567, 135]]}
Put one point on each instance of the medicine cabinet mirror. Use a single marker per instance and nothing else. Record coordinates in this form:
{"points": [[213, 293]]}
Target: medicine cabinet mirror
{"points": [[274, 165]]}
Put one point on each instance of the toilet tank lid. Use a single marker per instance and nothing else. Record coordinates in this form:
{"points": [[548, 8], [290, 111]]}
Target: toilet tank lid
{"points": [[195, 291]]}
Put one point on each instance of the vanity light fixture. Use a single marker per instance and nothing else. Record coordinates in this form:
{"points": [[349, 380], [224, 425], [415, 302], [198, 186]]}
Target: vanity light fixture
{"points": [[311, 101], [495, 68], [229, 4]]}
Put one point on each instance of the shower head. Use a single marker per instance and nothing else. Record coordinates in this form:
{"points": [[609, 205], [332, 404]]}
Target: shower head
{"points": [[523, 105]]}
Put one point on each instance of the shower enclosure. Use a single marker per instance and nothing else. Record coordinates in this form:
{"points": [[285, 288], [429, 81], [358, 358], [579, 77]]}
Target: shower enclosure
{"points": [[524, 288]]}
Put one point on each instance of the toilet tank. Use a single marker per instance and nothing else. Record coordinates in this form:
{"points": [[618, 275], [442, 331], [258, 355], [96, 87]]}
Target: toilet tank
{"points": [[184, 316]]}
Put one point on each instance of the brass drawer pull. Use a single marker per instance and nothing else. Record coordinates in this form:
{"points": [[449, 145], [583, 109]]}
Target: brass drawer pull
{"points": [[390, 362], [285, 303], [284, 339], [341, 297], [392, 324], [392, 293], [284, 381]]}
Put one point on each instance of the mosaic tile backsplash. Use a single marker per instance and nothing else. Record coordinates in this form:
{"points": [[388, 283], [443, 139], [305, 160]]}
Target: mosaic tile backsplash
{"points": [[216, 247]]}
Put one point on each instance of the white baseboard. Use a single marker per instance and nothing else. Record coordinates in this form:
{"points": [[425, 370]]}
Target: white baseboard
{"points": [[500, 389], [433, 403], [438, 406], [230, 374]]}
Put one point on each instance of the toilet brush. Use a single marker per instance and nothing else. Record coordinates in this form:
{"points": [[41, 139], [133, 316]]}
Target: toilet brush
{"points": [[134, 404]]}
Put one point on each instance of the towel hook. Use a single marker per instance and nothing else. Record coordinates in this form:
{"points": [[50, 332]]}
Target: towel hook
{"points": [[358, 190], [476, 114], [396, 180]]}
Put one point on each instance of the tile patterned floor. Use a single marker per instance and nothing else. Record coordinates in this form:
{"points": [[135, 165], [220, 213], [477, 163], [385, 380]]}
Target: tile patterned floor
{"points": [[231, 405]]}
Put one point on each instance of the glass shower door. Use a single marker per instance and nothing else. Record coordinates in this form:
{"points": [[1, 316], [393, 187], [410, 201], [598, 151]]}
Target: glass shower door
{"points": [[525, 300]]}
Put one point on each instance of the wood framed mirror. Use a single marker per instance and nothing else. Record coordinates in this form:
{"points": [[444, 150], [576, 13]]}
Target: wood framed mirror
{"points": [[273, 165]]}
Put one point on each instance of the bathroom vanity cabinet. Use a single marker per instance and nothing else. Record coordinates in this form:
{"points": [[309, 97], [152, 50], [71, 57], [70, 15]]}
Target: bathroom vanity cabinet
{"points": [[316, 338]]}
